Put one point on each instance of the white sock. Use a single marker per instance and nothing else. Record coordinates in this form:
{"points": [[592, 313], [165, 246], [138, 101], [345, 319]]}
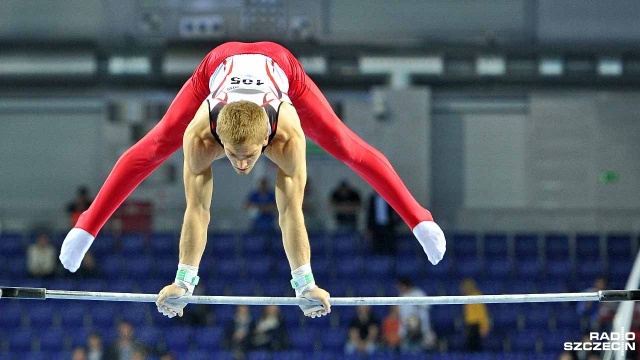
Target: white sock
{"points": [[432, 240]]}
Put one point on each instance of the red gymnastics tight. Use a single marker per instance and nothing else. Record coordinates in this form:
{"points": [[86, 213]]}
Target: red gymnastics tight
{"points": [[318, 120]]}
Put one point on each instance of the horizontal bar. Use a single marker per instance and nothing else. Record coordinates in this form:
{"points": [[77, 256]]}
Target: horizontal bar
{"points": [[338, 301], [607, 295]]}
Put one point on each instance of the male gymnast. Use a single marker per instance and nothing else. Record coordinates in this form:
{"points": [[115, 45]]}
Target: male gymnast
{"points": [[269, 76]]}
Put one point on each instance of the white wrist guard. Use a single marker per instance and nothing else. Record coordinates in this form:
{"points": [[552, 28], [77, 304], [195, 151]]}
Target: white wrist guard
{"points": [[302, 279], [187, 277]]}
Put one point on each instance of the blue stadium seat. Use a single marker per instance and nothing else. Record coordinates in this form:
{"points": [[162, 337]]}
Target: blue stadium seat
{"points": [[496, 246], [124, 286], [341, 287], [494, 342], [52, 340], [141, 267], [277, 287], [207, 355], [209, 338], [375, 266], [260, 267], [559, 269], [455, 342], [104, 315], [351, 269], [526, 246], [21, 339], [164, 267], [41, 314], [258, 355], [537, 316], [504, 318], [523, 341], [442, 270], [464, 245], [164, 243], [61, 284], [323, 269], [619, 247], [11, 245], [17, 267], [149, 335], [443, 317], [78, 334], [520, 287], [345, 244], [153, 286], [620, 269], [288, 355], [468, 268], [179, 344], [113, 267], [71, 316], [409, 249], [132, 244], [552, 286], [302, 339], [528, 269], [491, 286], [498, 269], [103, 245], [554, 340], [408, 267], [367, 287], [245, 288], [587, 247], [556, 246], [137, 313], [12, 315], [92, 285], [320, 246], [230, 268], [222, 245], [35, 356], [567, 319], [590, 269], [254, 244]]}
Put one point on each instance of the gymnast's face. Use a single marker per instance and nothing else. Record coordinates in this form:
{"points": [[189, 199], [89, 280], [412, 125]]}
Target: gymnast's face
{"points": [[243, 156]]}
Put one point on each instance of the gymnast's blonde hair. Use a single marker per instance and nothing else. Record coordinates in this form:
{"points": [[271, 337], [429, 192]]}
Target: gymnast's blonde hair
{"points": [[242, 122]]}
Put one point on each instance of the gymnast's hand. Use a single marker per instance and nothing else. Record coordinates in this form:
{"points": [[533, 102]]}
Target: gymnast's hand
{"points": [[74, 247], [316, 294], [171, 300]]}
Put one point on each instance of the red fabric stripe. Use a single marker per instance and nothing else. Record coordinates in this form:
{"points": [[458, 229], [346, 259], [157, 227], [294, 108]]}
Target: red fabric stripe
{"points": [[225, 77]]}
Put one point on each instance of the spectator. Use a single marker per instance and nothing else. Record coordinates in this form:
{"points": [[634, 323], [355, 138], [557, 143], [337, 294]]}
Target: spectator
{"points": [[80, 203], [95, 351], [238, 332], [476, 317], [269, 332], [310, 209], [381, 225], [416, 333], [391, 329], [363, 332], [125, 345], [262, 207], [41, 257], [79, 353], [597, 315], [346, 204]]}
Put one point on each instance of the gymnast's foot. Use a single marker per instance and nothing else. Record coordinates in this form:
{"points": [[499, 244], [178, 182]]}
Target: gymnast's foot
{"points": [[432, 240], [74, 248]]}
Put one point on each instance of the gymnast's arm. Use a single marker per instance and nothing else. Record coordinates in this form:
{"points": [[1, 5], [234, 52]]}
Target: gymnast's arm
{"points": [[289, 155], [200, 149]]}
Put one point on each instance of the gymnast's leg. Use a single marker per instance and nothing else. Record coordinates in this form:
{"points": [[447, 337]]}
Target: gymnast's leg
{"points": [[129, 171], [321, 125]]}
